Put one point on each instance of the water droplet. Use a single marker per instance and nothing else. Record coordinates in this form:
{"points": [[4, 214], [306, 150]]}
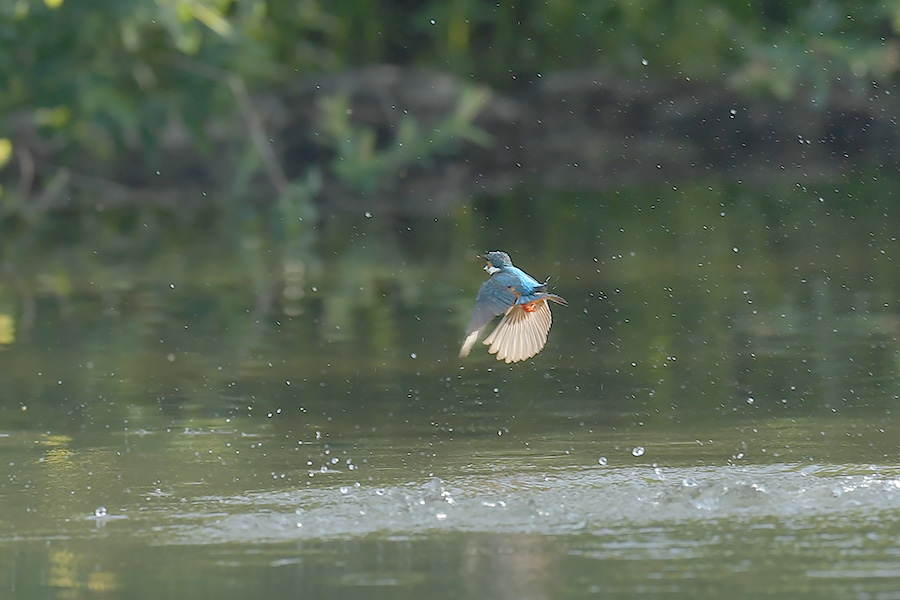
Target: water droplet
{"points": [[645, 62], [602, 460], [638, 451], [368, 215], [413, 355], [345, 489], [100, 512]]}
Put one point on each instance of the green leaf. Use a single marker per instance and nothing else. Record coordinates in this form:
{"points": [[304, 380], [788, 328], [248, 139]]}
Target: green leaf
{"points": [[5, 151]]}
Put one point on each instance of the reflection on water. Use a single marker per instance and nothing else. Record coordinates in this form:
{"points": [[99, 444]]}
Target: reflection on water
{"points": [[714, 415]]}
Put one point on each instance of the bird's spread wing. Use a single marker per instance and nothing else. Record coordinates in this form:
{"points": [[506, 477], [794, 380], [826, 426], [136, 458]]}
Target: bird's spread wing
{"points": [[520, 334], [494, 298]]}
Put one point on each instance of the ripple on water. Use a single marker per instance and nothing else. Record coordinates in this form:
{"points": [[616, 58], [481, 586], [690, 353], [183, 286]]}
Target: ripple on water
{"points": [[587, 500]]}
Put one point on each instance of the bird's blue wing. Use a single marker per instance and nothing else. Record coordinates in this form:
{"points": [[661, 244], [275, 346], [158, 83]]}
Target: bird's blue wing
{"points": [[525, 283], [494, 298]]}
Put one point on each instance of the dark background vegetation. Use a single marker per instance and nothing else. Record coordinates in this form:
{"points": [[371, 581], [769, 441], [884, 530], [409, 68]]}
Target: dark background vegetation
{"points": [[281, 128], [199, 108]]}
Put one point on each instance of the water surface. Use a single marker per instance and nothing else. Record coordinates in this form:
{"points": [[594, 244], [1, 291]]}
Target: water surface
{"points": [[713, 414]]}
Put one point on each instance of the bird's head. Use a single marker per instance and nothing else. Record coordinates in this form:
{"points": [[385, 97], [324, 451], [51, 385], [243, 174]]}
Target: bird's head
{"points": [[496, 260]]}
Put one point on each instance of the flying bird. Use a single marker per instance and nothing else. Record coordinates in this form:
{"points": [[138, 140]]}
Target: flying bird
{"points": [[522, 300]]}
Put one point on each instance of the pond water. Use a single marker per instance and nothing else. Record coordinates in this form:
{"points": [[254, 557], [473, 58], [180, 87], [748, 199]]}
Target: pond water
{"points": [[223, 414]]}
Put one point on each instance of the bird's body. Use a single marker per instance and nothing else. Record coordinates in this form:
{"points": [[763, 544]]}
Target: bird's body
{"points": [[522, 300]]}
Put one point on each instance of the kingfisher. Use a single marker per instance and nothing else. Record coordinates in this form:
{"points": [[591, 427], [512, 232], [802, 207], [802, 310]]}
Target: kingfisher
{"points": [[522, 300]]}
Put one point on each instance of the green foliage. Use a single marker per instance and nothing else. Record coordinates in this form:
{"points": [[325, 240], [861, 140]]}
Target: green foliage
{"points": [[361, 164], [88, 87], [812, 47]]}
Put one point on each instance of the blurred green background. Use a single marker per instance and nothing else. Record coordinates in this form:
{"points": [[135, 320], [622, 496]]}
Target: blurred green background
{"points": [[253, 145], [172, 107]]}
